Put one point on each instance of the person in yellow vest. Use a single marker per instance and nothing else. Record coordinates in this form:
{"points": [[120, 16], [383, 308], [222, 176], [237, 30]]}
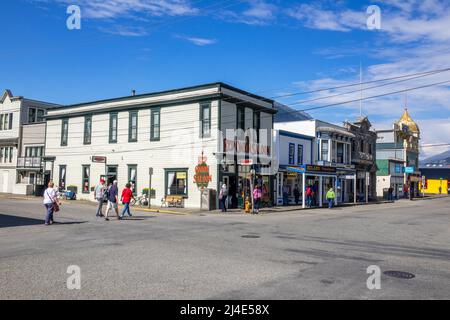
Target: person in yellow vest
{"points": [[330, 197]]}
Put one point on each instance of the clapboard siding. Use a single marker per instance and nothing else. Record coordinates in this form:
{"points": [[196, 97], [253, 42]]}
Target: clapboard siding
{"points": [[179, 147]]}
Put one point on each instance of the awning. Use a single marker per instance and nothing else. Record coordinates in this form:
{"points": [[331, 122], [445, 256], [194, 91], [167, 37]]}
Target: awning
{"points": [[296, 170]]}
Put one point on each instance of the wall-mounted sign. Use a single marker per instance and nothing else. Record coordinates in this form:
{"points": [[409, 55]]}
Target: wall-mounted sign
{"points": [[202, 178], [320, 169], [409, 169], [246, 162], [98, 159]]}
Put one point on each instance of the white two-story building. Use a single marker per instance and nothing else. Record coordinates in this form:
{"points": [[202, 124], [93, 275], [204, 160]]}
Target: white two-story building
{"points": [[22, 144], [168, 134]]}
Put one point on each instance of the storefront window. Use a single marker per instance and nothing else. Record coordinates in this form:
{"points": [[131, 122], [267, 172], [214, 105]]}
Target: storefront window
{"points": [[176, 182]]}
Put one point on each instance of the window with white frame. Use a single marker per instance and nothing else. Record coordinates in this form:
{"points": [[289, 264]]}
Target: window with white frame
{"points": [[35, 115], [6, 154], [6, 121]]}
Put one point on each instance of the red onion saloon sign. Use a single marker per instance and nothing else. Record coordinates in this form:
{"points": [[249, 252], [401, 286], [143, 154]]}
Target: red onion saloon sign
{"points": [[202, 178]]}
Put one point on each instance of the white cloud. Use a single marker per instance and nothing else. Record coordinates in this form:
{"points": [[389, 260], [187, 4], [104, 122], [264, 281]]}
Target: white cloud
{"points": [[199, 41], [258, 12]]}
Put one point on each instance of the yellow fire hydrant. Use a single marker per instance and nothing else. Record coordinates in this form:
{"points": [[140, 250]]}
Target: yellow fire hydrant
{"points": [[247, 205]]}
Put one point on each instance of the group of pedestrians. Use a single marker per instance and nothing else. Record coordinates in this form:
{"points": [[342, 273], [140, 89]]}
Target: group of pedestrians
{"points": [[102, 194], [110, 194]]}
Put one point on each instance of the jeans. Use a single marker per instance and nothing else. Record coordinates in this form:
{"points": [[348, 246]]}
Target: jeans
{"points": [[49, 215], [126, 209], [223, 204], [309, 200], [257, 203], [99, 207], [330, 203]]}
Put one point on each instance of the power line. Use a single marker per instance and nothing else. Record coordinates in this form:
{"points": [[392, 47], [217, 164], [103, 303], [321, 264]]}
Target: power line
{"points": [[358, 90], [376, 96], [359, 83]]}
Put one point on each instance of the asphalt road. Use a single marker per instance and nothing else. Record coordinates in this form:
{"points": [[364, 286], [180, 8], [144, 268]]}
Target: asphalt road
{"points": [[313, 254]]}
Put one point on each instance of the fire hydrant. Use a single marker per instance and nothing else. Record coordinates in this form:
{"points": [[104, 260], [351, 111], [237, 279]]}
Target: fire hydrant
{"points": [[247, 205]]}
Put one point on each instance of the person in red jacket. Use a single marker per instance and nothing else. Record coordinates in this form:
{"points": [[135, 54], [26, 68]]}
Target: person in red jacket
{"points": [[127, 195]]}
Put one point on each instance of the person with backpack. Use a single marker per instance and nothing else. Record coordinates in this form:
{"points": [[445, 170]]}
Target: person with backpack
{"points": [[113, 200], [223, 195], [330, 197], [99, 195]]}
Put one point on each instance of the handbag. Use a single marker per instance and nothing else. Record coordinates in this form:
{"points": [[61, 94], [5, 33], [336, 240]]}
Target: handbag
{"points": [[54, 204]]}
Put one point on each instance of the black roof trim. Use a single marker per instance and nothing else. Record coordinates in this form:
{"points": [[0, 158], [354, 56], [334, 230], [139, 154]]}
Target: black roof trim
{"points": [[185, 89]]}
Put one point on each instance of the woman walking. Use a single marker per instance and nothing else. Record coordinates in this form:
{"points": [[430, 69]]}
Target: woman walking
{"points": [[127, 195], [257, 195], [51, 203]]}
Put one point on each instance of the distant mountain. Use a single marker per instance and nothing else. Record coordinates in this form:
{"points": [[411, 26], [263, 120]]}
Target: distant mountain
{"points": [[288, 114], [443, 158]]}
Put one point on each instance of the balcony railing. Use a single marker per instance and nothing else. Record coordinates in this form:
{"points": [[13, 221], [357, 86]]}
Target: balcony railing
{"points": [[29, 162], [361, 157]]}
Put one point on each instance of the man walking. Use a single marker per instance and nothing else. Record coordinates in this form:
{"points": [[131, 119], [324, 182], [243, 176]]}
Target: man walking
{"points": [[99, 194], [330, 197], [127, 195], [296, 195], [113, 200]]}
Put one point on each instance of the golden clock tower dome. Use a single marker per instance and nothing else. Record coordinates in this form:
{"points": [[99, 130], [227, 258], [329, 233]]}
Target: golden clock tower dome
{"points": [[408, 121]]}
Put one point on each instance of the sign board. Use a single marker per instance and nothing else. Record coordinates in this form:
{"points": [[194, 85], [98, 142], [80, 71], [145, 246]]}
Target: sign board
{"points": [[181, 175], [202, 177], [246, 162], [409, 169], [320, 169], [98, 159]]}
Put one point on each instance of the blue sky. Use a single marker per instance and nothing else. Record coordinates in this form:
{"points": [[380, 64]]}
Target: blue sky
{"points": [[266, 46]]}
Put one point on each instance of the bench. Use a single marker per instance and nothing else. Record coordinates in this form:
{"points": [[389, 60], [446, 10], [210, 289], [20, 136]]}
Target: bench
{"points": [[173, 201]]}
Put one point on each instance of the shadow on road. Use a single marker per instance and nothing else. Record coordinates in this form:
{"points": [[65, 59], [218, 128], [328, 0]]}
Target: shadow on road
{"points": [[14, 221]]}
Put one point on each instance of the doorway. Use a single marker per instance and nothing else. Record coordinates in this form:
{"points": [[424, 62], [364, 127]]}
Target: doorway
{"points": [[111, 174]]}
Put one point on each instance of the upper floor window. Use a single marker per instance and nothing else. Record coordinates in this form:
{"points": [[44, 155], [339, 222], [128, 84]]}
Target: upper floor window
{"points": [[6, 121], [32, 152], [113, 128], [340, 152], [300, 154], [133, 127], [6, 154], [87, 130], [291, 153], [64, 132], [324, 155], [205, 119], [257, 123], [241, 118], [35, 115], [155, 125]]}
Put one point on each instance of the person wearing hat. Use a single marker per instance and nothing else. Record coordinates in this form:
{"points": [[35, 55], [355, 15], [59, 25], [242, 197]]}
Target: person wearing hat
{"points": [[99, 194]]}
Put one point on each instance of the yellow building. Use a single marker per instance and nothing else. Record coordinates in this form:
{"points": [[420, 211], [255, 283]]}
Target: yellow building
{"points": [[436, 186]]}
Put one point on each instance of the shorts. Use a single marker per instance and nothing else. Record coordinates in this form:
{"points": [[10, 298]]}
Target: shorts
{"points": [[113, 205]]}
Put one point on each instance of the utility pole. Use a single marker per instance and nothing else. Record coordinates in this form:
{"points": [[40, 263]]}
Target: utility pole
{"points": [[361, 90], [150, 173]]}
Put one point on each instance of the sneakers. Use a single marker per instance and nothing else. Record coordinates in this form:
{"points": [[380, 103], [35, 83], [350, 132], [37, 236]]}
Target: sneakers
{"points": [[106, 219]]}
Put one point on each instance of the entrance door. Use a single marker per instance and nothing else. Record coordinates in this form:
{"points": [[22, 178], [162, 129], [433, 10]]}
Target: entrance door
{"points": [[5, 181], [111, 172]]}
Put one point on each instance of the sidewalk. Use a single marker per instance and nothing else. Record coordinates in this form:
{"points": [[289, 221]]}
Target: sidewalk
{"points": [[187, 211]]}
